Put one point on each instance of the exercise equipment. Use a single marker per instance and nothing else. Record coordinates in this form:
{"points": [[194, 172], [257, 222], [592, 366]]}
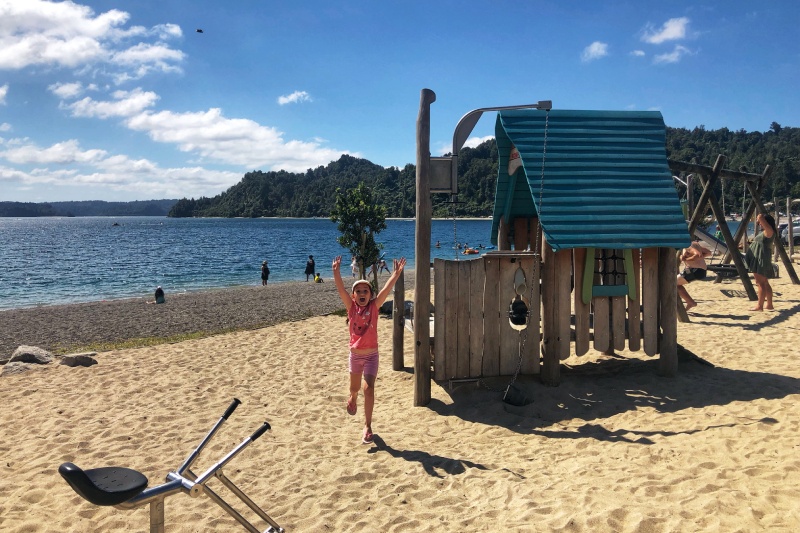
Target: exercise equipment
{"points": [[125, 488]]}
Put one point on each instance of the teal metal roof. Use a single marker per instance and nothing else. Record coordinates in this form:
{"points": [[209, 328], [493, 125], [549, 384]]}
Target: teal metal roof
{"points": [[607, 182]]}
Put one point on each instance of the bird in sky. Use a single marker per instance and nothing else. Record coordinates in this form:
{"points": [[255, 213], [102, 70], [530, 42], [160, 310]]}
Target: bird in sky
{"points": [[198, 30]]}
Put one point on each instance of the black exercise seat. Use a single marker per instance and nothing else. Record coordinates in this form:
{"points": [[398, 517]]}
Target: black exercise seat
{"points": [[104, 486]]}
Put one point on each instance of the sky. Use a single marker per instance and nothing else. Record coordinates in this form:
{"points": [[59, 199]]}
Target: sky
{"points": [[155, 99]]}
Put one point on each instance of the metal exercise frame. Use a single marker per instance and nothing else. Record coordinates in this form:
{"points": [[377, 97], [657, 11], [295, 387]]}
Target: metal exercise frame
{"points": [[125, 488]]}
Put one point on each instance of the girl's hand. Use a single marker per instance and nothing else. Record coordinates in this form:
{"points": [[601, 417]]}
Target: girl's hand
{"points": [[337, 263], [399, 264]]}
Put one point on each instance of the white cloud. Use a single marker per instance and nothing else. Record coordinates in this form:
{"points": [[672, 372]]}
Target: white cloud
{"points": [[637, 53], [596, 50], [3, 93], [472, 142], [294, 98], [232, 140], [5, 126], [672, 57], [671, 30], [125, 104], [62, 153], [65, 34], [446, 147], [66, 90], [66, 164]]}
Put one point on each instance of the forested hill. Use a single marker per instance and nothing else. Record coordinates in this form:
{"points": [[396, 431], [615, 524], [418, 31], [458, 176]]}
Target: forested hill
{"points": [[90, 208], [286, 194]]}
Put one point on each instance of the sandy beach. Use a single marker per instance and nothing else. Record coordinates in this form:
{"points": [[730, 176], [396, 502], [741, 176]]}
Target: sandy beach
{"points": [[613, 448]]}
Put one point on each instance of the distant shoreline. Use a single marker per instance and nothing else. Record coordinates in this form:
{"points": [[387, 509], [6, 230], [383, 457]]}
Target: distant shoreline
{"points": [[64, 328]]}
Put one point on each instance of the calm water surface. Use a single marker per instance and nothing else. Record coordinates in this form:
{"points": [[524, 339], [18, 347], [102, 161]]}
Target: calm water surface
{"points": [[49, 261]]}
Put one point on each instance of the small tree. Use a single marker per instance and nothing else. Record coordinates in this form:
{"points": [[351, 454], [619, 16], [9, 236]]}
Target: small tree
{"points": [[359, 218]]}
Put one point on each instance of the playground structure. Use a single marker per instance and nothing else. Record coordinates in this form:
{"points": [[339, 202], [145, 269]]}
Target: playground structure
{"points": [[754, 184], [579, 194], [125, 488]]}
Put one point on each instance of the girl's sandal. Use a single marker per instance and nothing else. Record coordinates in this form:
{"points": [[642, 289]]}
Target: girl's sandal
{"points": [[367, 438], [351, 407]]}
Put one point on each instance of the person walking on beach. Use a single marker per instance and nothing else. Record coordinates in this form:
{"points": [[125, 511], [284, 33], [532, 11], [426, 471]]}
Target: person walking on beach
{"points": [[354, 267], [362, 315], [264, 273], [310, 267], [759, 261], [694, 262]]}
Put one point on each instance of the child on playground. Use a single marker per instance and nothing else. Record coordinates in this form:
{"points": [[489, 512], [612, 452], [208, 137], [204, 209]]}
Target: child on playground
{"points": [[362, 314], [694, 259]]}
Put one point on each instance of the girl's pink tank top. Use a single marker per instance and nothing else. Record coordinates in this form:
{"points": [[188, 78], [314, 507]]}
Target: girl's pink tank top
{"points": [[363, 326]]}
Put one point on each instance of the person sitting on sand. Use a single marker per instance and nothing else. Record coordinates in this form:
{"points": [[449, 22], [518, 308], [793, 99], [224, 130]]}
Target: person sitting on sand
{"points": [[362, 314], [694, 261], [159, 296], [318, 278]]}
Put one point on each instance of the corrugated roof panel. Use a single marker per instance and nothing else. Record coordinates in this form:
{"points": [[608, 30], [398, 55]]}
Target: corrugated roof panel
{"points": [[607, 181]]}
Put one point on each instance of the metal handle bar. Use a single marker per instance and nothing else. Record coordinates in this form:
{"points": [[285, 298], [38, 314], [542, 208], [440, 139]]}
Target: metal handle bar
{"points": [[193, 456]]}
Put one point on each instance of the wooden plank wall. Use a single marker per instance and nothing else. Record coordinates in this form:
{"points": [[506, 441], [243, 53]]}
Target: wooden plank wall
{"points": [[471, 323], [491, 314], [439, 320], [472, 300]]}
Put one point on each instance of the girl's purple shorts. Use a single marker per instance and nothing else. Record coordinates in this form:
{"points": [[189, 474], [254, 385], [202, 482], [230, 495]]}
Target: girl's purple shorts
{"points": [[364, 364]]}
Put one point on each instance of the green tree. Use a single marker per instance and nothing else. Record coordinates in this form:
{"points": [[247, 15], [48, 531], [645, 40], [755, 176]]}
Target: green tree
{"points": [[359, 218]]}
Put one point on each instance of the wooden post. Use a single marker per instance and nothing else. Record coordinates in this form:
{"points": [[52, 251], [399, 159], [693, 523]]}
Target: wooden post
{"points": [[398, 318], [581, 309], [551, 371], [422, 251], [668, 347], [502, 235], [650, 300], [634, 310], [562, 314], [737, 258]]}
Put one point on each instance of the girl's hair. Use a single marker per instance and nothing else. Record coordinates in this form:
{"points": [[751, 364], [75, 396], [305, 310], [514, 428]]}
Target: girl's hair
{"points": [[771, 221]]}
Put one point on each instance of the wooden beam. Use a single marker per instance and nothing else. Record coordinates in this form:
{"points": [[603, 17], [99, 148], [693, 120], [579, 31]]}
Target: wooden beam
{"points": [[681, 166], [668, 347], [422, 253], [398, 317], [551, 371]]}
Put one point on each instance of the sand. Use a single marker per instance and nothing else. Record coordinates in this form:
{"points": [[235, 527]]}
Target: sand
{"points": [[613, 448]]}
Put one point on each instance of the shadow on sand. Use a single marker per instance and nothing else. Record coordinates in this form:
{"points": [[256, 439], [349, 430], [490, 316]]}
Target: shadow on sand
{"points": [[598, 390]]}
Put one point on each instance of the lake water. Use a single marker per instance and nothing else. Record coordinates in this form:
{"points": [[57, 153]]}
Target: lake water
{"points": [[49, 261]]}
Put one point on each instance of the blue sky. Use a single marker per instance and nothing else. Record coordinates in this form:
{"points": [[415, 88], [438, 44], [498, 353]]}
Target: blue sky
{"points": [[119, 101]]}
